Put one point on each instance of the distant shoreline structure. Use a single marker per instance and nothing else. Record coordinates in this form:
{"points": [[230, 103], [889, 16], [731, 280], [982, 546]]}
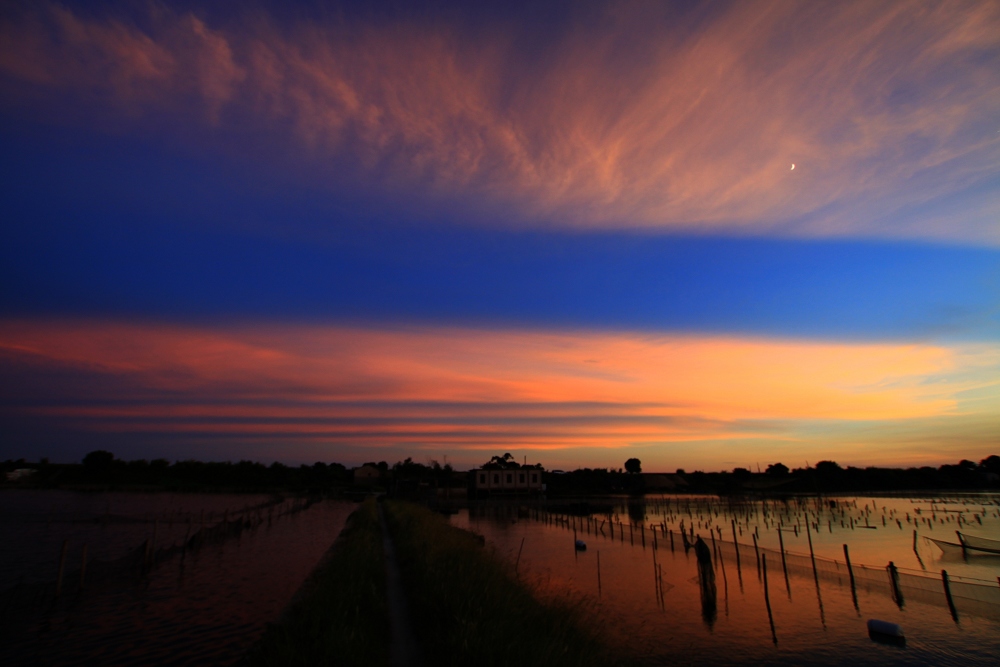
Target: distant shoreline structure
{"points": [[502, 474]]}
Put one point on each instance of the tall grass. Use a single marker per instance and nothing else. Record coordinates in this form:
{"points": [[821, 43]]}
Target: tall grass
{"points": [[468, 608], [341, 616]]}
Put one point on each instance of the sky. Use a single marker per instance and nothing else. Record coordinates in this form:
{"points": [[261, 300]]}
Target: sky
{"points": [[703, 234]]}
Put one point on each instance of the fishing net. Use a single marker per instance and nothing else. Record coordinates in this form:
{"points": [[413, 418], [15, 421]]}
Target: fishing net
{"points": [[969, 596], [24, 600], [980, 543]]}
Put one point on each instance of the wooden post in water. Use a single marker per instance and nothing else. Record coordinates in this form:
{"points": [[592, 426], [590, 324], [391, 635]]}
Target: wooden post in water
{"points": [[757, 553], [850, 573], [897, 595], [947, 595], [736, 544], [784, 566], [642, 532], [518, 561], [767, 599], [62, 566], [83, 566], [671, 540], [722, 566], [812, 555]]}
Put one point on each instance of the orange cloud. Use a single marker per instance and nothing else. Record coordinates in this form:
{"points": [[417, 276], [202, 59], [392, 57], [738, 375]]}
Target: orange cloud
{"points": [[457, 390], [640, 119]]}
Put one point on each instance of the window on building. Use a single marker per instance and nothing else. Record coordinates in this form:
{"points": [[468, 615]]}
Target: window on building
{"points": [[482, 478], [510, 478], [534, 478], [520, 478], [496, 479]]}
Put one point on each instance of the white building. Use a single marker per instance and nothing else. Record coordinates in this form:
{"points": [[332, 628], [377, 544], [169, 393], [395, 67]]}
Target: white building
{"points": [[513, 480]]}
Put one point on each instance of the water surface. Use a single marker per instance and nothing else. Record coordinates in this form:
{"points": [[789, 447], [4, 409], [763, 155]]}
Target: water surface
{"points": [[816, 617], [205, 606]]}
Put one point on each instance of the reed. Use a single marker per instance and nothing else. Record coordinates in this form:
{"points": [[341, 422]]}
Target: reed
{"points": [[468, 607], [340, 615]]}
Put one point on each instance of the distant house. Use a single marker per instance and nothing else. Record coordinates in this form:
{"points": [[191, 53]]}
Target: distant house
{"points": [[507, 480], [20, 473], [367, 475]]}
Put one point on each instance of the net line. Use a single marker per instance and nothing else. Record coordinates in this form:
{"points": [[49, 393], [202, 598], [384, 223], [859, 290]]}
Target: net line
{"points": [[972, 596]]}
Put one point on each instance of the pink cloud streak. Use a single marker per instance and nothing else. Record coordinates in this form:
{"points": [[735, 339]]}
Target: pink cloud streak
{"points": [[465, 390], [882, 106]]}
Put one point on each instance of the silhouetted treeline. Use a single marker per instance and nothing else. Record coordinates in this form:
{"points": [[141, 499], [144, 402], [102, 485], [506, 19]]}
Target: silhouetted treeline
{"points": [[824, 477], [587, 481], [410, 479], [100, 469]]}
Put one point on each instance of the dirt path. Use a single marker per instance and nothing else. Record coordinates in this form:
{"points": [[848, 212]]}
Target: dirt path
{"points": [[403, 649]]}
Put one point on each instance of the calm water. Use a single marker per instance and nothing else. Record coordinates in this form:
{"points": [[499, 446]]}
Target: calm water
{"points": [[814, 617], [205, 608]]}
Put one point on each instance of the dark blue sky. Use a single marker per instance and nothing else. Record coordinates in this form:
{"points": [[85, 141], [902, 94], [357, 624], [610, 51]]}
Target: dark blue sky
{"points": [[116, 227]]}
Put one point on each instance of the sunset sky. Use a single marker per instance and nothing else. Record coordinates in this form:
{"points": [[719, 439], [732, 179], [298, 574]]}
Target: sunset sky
{"points": [[703, 234]]}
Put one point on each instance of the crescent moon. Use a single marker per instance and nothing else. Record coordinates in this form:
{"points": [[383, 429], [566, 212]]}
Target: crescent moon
{"points": [[793, 167]]}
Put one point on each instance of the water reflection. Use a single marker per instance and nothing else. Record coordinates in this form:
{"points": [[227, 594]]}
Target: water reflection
{"points": [[199, 606], [637, 510], [706, 582], [805, 605]]}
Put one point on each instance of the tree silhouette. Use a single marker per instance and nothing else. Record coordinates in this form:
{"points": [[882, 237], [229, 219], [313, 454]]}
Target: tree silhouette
{"points": [[777, 469], [98, 459]]}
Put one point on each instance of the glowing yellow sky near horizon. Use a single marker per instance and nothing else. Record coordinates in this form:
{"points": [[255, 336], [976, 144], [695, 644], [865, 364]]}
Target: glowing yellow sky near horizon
{"points": [[563, 396], [643, 119]]}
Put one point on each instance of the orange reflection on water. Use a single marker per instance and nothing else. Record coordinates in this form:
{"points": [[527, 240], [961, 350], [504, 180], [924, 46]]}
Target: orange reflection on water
{"points": [[655, 604]]}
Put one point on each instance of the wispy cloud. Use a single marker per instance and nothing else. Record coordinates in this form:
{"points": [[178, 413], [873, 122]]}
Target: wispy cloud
{"points": [[462, 391], [644, 117]]}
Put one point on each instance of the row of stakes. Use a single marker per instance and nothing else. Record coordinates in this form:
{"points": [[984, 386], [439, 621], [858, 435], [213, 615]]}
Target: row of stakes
{"points": [[892, 570], [148, 555], [148, 549]]}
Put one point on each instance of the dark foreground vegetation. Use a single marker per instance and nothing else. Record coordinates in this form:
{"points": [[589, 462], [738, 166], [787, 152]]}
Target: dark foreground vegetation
{"points": [[468, 608], [465, 604], [339, 616]]}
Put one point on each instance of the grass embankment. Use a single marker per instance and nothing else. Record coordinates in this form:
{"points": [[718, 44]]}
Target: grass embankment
{"points": [[467, 607], [341, 618], [464, 602]]}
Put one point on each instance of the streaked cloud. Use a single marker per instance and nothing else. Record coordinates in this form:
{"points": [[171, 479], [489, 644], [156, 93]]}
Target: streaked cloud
{"points": [[641, 116], [572, 398]]}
